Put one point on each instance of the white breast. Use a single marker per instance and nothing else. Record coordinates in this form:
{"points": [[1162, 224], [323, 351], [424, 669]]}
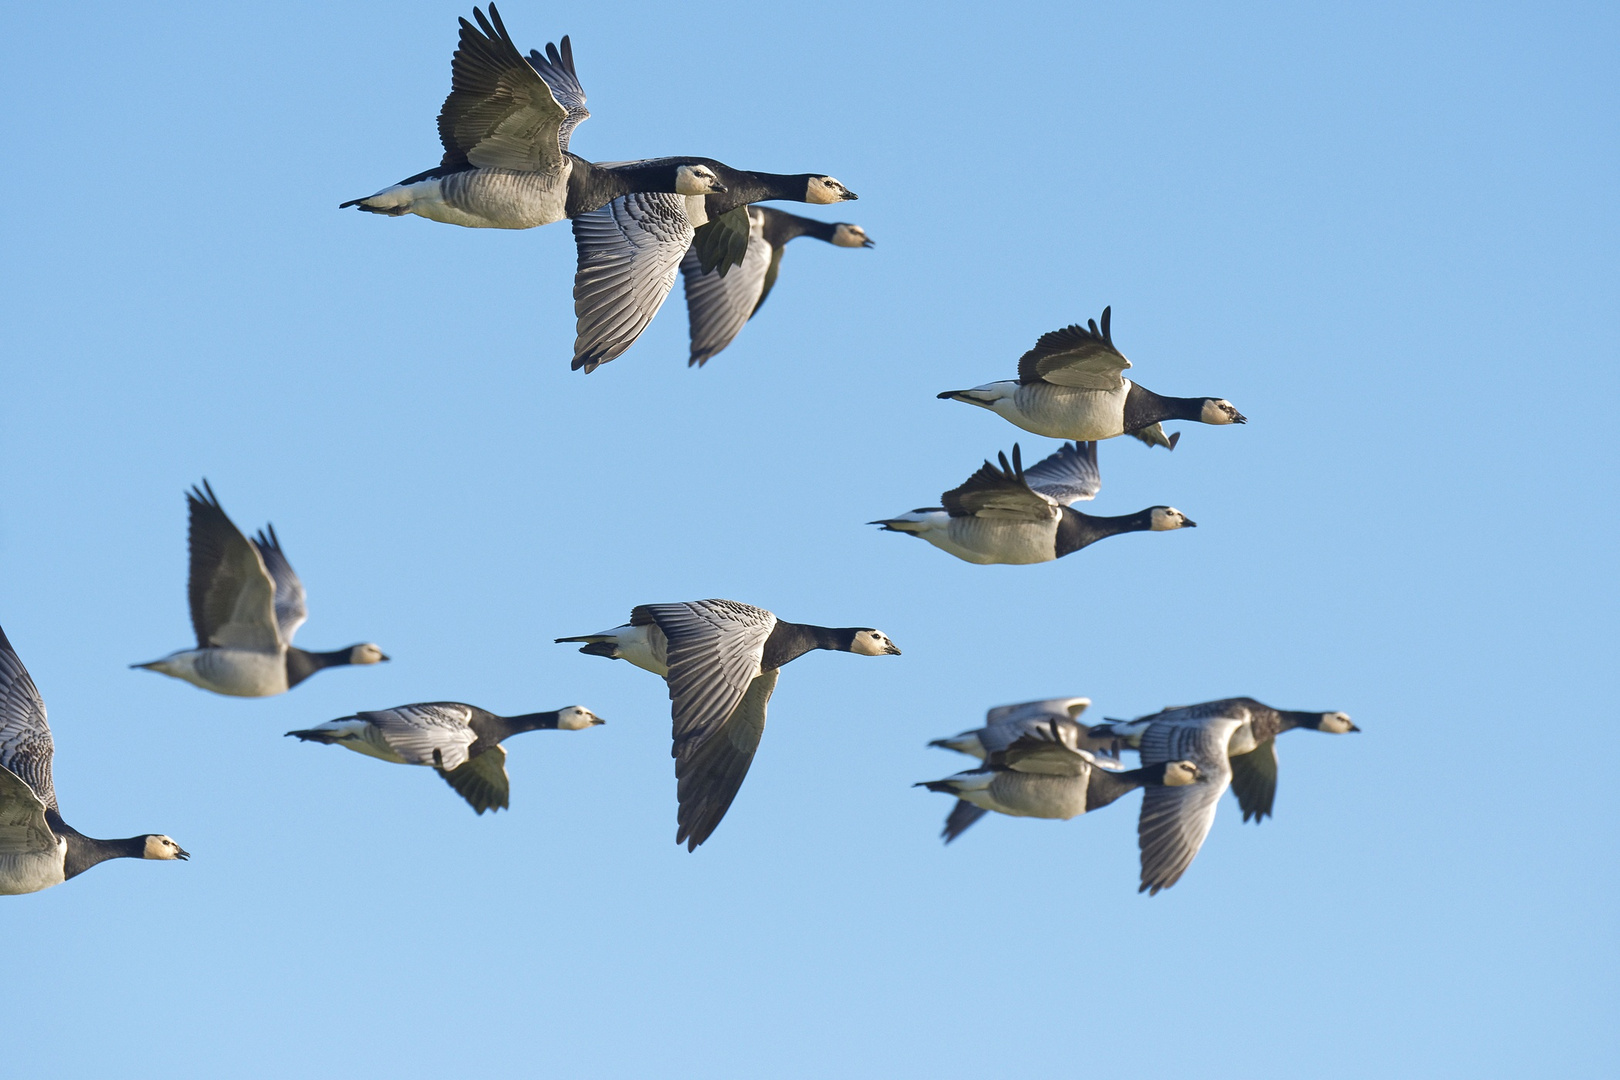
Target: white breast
{"points": [[1064, 412], [32, 872]]}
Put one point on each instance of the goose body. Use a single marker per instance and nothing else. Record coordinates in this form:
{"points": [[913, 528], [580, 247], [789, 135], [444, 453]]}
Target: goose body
{"points": [[461, 742], [1252, 747], [721, 660], [505, 128], [720, 299], [1041, 775], [1005, 724], [1013, 516], [37, 848], [246, 604], [1071, 385], [629, 252]]}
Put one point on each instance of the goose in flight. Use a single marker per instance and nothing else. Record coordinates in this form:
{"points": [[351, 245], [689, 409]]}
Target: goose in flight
{"points": [[461, 742], [1005, 723], [1042, 774], [1253, 749], [721, 660], [1175, 821], [630, 250], [505, 132], [1071, 386], [719, 302], [246, 605], [1010, 515], [37, 848]]}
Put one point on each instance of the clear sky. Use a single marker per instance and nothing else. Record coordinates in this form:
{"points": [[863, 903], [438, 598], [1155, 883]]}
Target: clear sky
{"points": [[1386, 232]]}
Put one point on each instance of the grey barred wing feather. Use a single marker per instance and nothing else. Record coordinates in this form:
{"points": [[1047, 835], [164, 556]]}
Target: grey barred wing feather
{"points": [[500, 113], [709, 771], [26, 748], [1079, 356], [23, 827], [231, 593], [999, 493], [1254, 780], [629, 252], [437, 733], [961, 818], [482, 780], [1068, 476], [1175, 820], [1070, 707], [556, 67], [291, 609], [717, 306], [714, 651]]}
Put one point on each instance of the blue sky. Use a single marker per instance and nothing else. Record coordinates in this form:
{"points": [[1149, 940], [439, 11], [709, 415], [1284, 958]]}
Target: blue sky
{"points": [[1386, 233]]}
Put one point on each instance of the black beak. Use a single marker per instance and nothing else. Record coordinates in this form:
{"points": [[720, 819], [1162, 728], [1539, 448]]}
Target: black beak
{"points": [[597, 720], [1188, 523], [850, 196], [867, 243], [719, 188], [892, 650], [1239, 418], [1354, 729], [181, 853], [384, 658]]}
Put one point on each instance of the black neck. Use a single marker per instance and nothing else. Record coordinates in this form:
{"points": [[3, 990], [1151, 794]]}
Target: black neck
{"points": [[780, 227], [514, 725], [1144, 407], [752, 187], [789, 641], [301, 664], [591, 187], [83, 851], [1103, 787], [1076, 530]]}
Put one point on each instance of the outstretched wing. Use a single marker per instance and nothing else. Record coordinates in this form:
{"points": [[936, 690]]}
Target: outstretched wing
{"points": [[1175, 820], [714, 650], [25, 738], [1078, 356], [1068, 476], [718, 305], [557, 69], [482, 780], [291, 610], [23, 828], [434, 733], [999, 493], [231, 592], [1069, 706], [708, 772], [629, 251], [1044, 751], [500, 113], [1254, 780]]}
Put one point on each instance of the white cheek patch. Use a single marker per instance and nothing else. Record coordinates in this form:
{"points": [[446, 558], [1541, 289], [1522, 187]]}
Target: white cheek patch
{"points": [[1217, 412]]}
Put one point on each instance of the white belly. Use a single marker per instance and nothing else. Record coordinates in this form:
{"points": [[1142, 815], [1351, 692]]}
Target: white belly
{"points": [[492, 199], [1027, 795], [996, 541], [32, 872], [236, 672], [1063, 412]]}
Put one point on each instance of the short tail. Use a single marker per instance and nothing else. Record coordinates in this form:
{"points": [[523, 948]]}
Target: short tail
{"points": [[944, 787], [981, 398], [915, 522], [595, 645], [315, 735]]}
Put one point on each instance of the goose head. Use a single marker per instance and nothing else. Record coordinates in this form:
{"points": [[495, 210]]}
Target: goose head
{"points": [[1181, 773], [367, 654], [1220, 411], [1164, 518], [577, 718], [697, 180], [868, 642], [1335, 723], [847, 235], [824, 189], [159, 846]]}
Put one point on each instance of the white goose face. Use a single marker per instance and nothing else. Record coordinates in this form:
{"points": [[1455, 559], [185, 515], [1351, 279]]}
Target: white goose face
{"points": [[1165, 518], [1180, 774], [873, 643], [824, 189], [1220, 411], [161, 847], [697, 180], [847, 235], [367, 654], [577, 718], [1336, 723]]}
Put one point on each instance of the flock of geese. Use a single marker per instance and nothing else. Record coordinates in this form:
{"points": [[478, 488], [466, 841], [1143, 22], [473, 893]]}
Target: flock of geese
{"points": [[505, 128]]}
